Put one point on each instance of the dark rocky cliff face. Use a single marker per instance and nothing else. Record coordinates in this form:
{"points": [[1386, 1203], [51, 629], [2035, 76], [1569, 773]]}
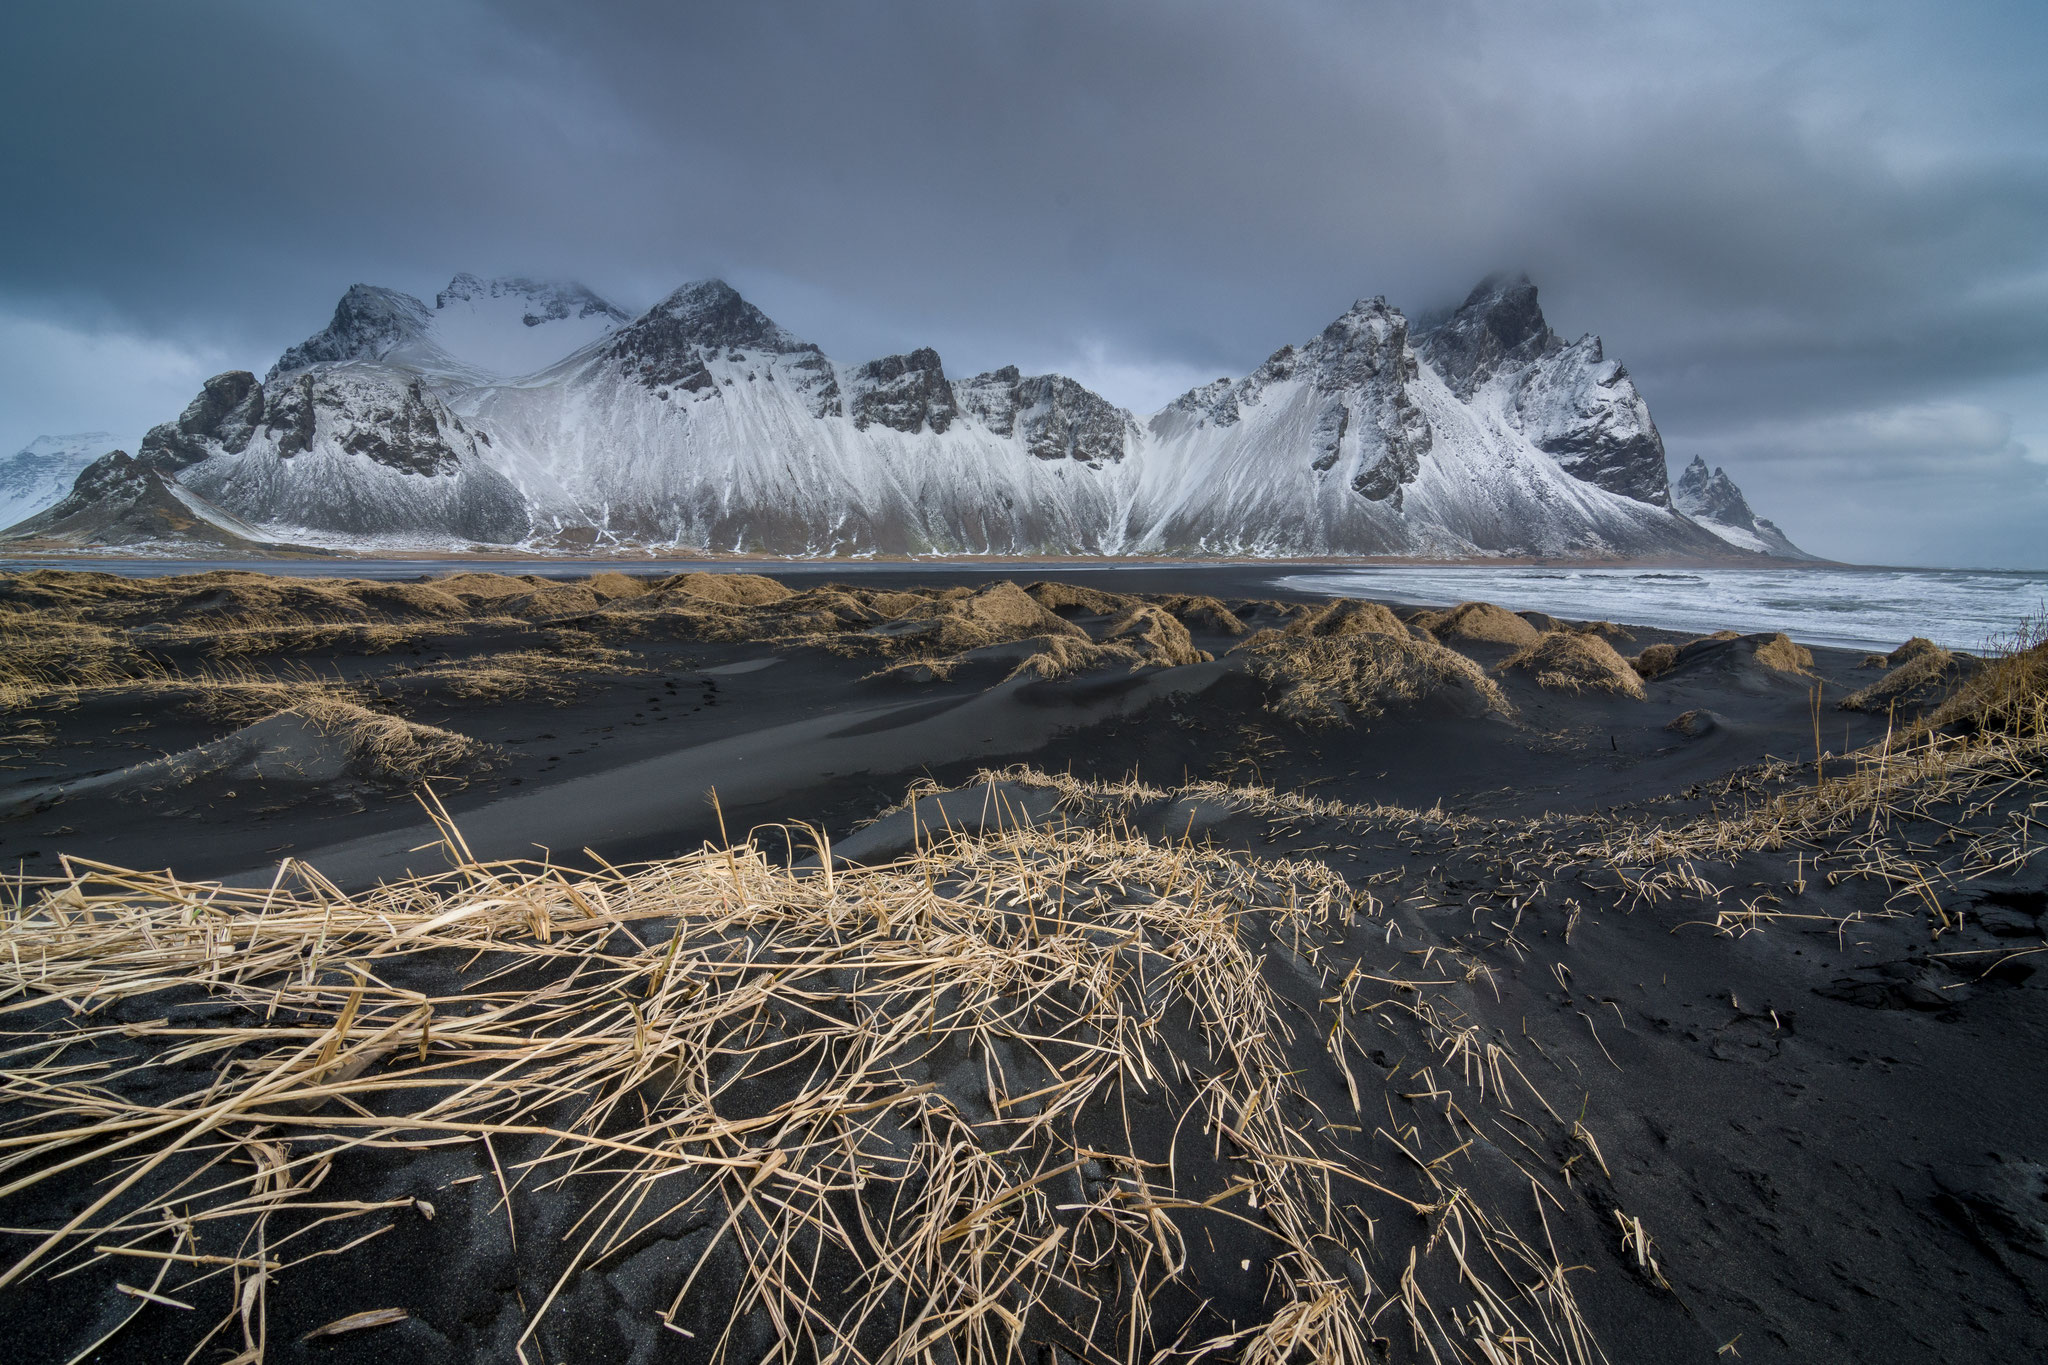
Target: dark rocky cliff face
{"points": [[1060, 419], [1711, 496], [118, 500], [225, 414], [1498, 327], [1583, 410], [902, 392]]}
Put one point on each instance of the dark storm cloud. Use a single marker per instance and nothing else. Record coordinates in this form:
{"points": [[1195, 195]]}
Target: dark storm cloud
{"points": [[1815, 236]]}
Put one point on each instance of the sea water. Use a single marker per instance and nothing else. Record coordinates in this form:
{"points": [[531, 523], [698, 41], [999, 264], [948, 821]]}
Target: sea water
{"points": [[1851, 608]]}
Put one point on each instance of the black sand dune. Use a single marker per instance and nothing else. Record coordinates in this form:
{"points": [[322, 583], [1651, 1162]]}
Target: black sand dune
{"points": [[1194, 975]]}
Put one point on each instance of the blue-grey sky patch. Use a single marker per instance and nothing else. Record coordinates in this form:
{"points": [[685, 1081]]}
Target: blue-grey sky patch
{"points": [[1814, 233]]}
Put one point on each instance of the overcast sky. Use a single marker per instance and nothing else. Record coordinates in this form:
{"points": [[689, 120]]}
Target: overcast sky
{"points": [[1817, 234]]}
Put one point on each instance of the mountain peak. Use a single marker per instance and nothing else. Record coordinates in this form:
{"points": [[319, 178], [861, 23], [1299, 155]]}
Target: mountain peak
{"points": [[712, 313], [42, 472], [1712, 499], [1500, 324], [368, 323]]}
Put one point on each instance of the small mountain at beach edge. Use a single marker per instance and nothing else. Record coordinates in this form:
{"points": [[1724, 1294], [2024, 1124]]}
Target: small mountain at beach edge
{"points": [[1713, 500], [528, 415]]}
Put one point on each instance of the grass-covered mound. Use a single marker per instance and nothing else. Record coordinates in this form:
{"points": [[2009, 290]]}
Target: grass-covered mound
{"points": [[1331, 680], [1569, 661]]}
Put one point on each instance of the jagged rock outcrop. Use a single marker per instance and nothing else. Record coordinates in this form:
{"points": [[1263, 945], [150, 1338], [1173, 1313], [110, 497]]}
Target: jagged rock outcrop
{"points": [[1713, 500], [901, 392], [672, 345], [224, 416], [1364, 428], [476, 331], [1056, 418], [1500, 327], [351, 450]]}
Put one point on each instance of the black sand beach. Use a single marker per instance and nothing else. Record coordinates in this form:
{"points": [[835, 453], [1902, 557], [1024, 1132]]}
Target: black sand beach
{"points": [[1143, 965]]}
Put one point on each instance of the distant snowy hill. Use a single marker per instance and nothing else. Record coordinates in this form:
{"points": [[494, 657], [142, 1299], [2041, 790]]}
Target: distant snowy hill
{"points": [[42, 471], [516, 412]]}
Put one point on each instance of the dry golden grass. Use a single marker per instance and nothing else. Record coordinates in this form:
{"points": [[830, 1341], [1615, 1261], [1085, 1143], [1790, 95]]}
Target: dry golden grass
{"points": [[943, 1056], [1917, 647], [1568, 661], [1953, 772], [1479, 621], [46, 656], [1054, 596], [555, 672], [1924, 677], [1655, 661], [1346, 616], [734, 589], [343, 637], [2008, 694], [1318, 680], [387, 749], [1779, 653], [1775, 651], [1203, 613], [1158, 636]]}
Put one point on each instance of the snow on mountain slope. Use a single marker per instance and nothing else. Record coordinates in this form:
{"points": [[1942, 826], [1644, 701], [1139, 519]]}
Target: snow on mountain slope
{"points": [[1350, 444], [352, 449], [42, 472], [476, 332], [704, 424], [1716, 503]]}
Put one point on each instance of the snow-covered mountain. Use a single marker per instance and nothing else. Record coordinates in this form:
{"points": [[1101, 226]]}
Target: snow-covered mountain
{"points": [[477, 331], [1716, 503], [703, 424], [43, 471]]}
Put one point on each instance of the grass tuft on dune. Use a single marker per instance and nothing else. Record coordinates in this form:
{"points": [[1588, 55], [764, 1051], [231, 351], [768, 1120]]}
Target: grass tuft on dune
{"points": [[1481, 622], [1568, 661], [1329, 680]]}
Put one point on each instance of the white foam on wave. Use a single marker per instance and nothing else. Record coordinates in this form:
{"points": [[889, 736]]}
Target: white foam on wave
{"points": [[1847, 608]]}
